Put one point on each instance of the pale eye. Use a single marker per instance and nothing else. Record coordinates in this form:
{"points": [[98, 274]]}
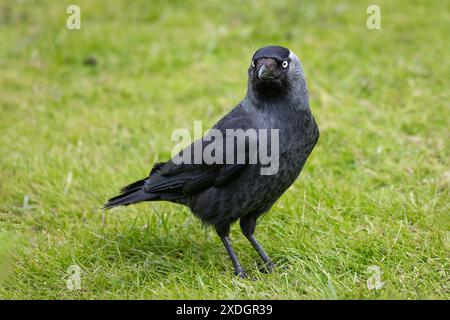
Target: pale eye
{"points": [[284, 64], [253, 63]]}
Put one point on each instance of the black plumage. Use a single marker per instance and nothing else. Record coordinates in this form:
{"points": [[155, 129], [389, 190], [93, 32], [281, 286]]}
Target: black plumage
{"points": [[220, 194]]}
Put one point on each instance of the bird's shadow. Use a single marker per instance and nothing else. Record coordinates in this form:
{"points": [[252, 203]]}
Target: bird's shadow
{"points": [[161, 253], [162, 249]]}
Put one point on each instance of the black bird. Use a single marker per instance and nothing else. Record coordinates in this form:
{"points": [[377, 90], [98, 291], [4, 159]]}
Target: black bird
{"points": [[221, 193]]}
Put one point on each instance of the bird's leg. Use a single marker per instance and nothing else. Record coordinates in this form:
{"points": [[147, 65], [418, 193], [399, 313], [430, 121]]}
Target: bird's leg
{"points": [[223, 231], [248, 224]]}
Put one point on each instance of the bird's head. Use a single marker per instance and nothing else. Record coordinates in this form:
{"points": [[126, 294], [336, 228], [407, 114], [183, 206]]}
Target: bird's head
{"points": [[274, 72]]}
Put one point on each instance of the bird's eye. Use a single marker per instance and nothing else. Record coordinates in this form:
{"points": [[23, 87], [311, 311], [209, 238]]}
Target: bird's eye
{"points": [[253, 63], [284, 64]]}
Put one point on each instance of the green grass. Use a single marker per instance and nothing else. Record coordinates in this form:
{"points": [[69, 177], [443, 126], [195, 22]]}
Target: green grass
{"points": [[374, 192]]}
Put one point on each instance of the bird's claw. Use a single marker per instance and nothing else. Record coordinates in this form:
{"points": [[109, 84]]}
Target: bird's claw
{"points": [[240, 273], [267, 267]]}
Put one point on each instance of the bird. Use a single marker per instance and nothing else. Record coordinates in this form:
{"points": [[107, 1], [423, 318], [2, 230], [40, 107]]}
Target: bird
{"points": [[222, 192]]}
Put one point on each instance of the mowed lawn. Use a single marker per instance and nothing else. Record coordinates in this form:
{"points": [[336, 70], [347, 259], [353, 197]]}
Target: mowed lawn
{"points": [[84, 112]]}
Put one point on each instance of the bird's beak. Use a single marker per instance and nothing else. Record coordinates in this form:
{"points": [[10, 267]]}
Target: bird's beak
{"points": [[264, 73]]}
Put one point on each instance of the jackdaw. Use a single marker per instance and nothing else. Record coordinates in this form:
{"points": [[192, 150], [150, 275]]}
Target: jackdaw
{"points": [[221, 192]]}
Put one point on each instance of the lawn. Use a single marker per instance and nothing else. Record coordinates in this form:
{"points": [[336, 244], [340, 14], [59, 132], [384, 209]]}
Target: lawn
{"points": [[84, 112]]}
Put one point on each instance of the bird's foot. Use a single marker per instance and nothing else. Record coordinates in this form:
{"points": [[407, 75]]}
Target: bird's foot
{"points": [[240, 273], [267, 267]]}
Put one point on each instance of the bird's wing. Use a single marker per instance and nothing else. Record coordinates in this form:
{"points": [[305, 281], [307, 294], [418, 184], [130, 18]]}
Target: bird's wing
{"points": [[174, 180]]}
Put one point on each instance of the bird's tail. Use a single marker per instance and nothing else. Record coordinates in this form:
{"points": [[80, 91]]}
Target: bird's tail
{"points": [[132, 193]]}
